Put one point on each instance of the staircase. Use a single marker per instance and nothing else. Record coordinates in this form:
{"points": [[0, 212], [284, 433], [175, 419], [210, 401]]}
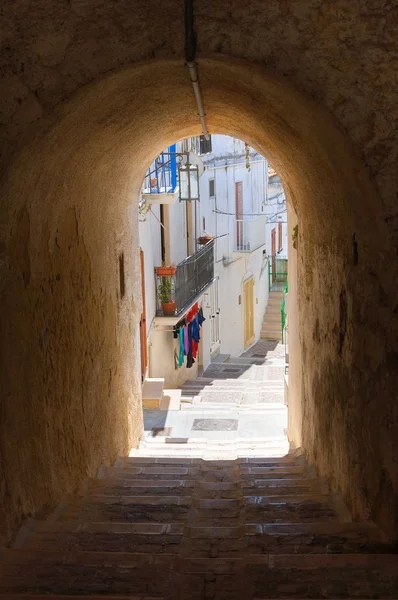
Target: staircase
{"points": [[271, 328], [224, 515], [178, 529]]}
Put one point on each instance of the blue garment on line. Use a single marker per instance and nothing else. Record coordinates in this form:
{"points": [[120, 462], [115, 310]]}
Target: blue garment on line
{"points": [[181, 353]]}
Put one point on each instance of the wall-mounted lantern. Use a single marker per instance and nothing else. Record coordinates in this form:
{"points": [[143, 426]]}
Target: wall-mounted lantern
{"points": [[188, 176]]}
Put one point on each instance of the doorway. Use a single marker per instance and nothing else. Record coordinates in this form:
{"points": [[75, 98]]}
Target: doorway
{"points": [[215, 341], [248, 308]]}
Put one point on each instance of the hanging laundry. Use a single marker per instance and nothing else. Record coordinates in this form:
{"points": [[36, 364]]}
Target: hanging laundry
{"points": [[186, 341], [181, 353], [201, 318], [190, 359]]}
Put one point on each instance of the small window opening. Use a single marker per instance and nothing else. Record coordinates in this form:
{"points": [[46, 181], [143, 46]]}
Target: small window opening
{"points": [[211, 188], [122, 283]]}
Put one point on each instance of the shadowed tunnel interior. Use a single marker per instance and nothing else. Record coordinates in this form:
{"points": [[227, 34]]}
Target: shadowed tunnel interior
{"points": [[70, 394]]}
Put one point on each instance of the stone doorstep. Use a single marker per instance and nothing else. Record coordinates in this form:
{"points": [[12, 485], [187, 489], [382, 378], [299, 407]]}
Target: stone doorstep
{"points": [[152, 391]]}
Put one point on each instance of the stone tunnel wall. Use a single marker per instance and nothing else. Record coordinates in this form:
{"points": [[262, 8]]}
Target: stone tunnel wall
{"points": [[68, 388]]}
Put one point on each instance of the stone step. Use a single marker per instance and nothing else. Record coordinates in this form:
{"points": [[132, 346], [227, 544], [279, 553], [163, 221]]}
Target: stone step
{"points": [[137, 509], [272, 318], [35, 596], [206, 489], [242, 360], [181, 450], [270, 325], [221, 358], [244, 363], [245, 406], [285, 576], [270, 461], [239, 385], [323, 575], [152, 392], [270, 335]]}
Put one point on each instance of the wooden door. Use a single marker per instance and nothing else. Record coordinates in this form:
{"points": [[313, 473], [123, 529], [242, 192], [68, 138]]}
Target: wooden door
{"points": [[248, 308], [239, 213], [143, 342]]}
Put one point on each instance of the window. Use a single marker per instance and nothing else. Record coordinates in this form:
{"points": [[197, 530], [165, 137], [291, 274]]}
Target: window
{"points": [[280, 245], [205, 145], [211, 188]]}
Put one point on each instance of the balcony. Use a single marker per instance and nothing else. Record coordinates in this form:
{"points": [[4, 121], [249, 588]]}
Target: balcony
{"points": [[161, 181], [250, 234], [176, 292]]}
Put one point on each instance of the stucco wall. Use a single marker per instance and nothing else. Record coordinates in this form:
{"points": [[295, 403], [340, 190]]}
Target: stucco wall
{"points": [[231, 298], [70, 178]]}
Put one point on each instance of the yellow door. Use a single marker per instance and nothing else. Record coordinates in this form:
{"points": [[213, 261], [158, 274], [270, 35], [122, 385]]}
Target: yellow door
{"points": [[248, 308]]}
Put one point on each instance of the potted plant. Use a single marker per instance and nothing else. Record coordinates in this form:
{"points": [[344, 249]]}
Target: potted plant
{"points": [[165, 294], [166, 271]]}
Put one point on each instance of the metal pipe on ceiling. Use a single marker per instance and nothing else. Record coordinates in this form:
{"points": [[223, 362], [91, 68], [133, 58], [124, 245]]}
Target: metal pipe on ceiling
{"points": [[190, 53]]}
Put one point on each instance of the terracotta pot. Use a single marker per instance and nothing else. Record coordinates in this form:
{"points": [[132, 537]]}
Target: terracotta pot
{"points": [[204, 239], [169, 308], [165, 271]]}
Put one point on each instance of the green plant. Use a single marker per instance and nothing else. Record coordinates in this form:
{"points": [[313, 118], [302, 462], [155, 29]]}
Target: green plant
{"points": [[165, 290], [295, 237]]}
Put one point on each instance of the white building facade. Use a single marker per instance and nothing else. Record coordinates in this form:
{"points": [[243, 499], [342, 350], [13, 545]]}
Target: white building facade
{"points": [[243, 208], [243, 205]]}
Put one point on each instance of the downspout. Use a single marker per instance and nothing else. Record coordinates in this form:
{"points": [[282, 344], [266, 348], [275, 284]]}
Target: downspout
{"points": [[190, 52]]}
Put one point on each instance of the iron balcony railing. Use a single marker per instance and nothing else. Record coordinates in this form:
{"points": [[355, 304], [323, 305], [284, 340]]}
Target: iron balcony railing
{"points": [[162, 175], [192, 276], [277, 273]]}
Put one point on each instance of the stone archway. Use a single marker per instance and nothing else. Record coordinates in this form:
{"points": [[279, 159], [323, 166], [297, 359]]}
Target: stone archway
{"points": [[68, 327]]}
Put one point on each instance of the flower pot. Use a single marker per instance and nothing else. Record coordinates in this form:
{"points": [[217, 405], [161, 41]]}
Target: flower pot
{"points": [[165, 271], [204, 239], [169, 308]]}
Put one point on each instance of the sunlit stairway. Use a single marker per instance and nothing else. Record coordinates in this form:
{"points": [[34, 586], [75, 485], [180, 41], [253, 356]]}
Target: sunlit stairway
{"points": [[271, 328], [189, 529]]}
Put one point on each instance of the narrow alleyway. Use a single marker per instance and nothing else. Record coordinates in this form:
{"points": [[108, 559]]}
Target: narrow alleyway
{"points": [[206, 509], [235, 409]]}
